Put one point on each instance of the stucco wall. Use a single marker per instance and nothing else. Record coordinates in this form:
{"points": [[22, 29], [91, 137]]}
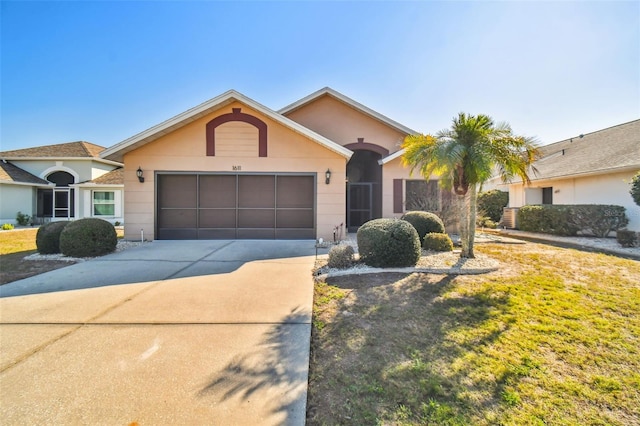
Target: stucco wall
{"points": [[185, 150], [612, 188], [390, 171], [344, 125], [14, 199], [516, 195]]}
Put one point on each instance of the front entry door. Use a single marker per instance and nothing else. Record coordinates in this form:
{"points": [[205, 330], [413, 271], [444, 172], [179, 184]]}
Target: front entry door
{"points": [[359, 204]]}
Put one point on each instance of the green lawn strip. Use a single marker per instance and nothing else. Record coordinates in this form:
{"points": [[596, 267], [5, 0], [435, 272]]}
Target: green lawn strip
{"points": [[555, 342]]}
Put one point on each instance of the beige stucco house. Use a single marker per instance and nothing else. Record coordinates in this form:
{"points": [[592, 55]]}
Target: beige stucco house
{"points": [[233, 168], [60, 182], [593, 168]]}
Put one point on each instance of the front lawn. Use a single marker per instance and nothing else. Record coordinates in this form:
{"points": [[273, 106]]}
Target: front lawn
{"points": [[15, 245], [553, 337]]}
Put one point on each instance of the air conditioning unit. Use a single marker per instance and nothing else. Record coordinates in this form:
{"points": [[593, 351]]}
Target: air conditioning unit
{"points": [[510, 217]]}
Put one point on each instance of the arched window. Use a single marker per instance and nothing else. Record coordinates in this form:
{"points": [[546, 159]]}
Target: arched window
{"points": [[61, 178]]}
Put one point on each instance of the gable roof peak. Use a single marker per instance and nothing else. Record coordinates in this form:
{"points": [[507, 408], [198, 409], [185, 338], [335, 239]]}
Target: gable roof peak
{"points": [[328, 91], [117, 151]]}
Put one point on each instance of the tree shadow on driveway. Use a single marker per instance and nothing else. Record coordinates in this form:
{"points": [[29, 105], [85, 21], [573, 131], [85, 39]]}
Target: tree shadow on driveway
{"points": [[273, 376], [159, 261]]}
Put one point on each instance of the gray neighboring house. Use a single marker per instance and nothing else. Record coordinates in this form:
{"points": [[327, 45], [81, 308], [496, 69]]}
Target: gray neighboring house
{"points": [[60, 182], [594, 168]]}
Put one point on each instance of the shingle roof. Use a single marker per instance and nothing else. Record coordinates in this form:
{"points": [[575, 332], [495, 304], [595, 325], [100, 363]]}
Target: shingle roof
{"points": [[616, 147], [78, 149], [114, 177], [11, 173]]}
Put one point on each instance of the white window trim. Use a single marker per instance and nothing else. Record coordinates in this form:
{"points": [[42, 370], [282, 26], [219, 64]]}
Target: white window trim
{"points": [[60, 168], [117, 203]]}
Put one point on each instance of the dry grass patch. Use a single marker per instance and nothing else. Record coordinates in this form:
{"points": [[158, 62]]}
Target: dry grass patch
{"points": [[553, 337], [15, 245]]}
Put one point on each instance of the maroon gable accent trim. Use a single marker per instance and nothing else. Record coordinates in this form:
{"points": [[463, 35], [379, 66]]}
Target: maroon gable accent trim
{"points": [[368, 146], [397, 195], [236, 115]]}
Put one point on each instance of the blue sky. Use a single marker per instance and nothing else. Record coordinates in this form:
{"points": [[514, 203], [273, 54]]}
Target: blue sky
{"points": [[104, 71]]}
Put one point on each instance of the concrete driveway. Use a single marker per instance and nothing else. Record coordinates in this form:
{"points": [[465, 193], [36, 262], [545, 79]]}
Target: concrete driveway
{"points": [[171, 332]]}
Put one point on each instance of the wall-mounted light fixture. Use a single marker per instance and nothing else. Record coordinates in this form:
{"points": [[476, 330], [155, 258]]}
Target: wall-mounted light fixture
{"points": [[327, 176], [139, 174]]}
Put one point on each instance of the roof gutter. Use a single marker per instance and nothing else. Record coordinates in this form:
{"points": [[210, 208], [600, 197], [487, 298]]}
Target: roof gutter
{"points": [[584, 174]]}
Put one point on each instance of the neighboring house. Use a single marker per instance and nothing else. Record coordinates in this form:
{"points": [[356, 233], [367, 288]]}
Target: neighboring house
{"points": [[594, 168], [60, 182], [233, 168]]}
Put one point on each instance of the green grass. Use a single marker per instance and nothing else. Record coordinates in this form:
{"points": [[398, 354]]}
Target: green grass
{"points": [[23, 240], [14, 246], [551, 338]]}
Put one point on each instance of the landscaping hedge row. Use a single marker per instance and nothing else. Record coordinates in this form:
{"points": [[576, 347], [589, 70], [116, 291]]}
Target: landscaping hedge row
{"points": [[567, 220]]}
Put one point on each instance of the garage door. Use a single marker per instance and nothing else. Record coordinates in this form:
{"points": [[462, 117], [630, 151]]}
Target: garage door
{"points": [[235, 206]]}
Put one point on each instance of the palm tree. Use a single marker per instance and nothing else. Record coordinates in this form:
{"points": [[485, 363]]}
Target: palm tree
{"points": [[465, 156]]}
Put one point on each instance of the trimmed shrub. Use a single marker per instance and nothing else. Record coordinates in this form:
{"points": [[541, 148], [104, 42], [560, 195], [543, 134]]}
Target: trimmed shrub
{"points": [[492, 203], [341, 256], [627, 238], [388, 243], [599, 220], [485, 222], [596, 219], [437, 242], [48, 237], [7, 227], [424, 222], [546, 219], [88, 238]]}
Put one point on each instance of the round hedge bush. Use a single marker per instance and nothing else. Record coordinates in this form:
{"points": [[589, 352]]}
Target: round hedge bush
{"points": [[48, 237], [437, 242], [88, 238], [424, 222], [341, 256], [388, 243]]}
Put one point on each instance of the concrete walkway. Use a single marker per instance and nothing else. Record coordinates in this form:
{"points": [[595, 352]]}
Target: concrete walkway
{"points": [[171, 332]]}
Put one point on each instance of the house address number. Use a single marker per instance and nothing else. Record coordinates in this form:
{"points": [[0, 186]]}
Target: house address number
{"points": [[236, 168]]}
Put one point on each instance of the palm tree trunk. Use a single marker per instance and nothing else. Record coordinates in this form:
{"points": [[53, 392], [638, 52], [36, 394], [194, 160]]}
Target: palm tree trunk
{"points": [[473, 203], [468, 221], [463, 207]]}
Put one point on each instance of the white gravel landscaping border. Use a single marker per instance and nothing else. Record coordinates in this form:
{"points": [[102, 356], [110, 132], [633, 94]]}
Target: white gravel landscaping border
{"points": [[122, 245], [447, 263]]}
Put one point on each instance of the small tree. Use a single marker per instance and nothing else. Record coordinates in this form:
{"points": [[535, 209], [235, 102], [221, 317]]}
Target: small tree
{"points": [[635, 188], [465, 156]]}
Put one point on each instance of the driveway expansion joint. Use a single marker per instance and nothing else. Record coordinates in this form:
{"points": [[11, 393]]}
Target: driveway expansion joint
{"points": [[175, 274]]}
